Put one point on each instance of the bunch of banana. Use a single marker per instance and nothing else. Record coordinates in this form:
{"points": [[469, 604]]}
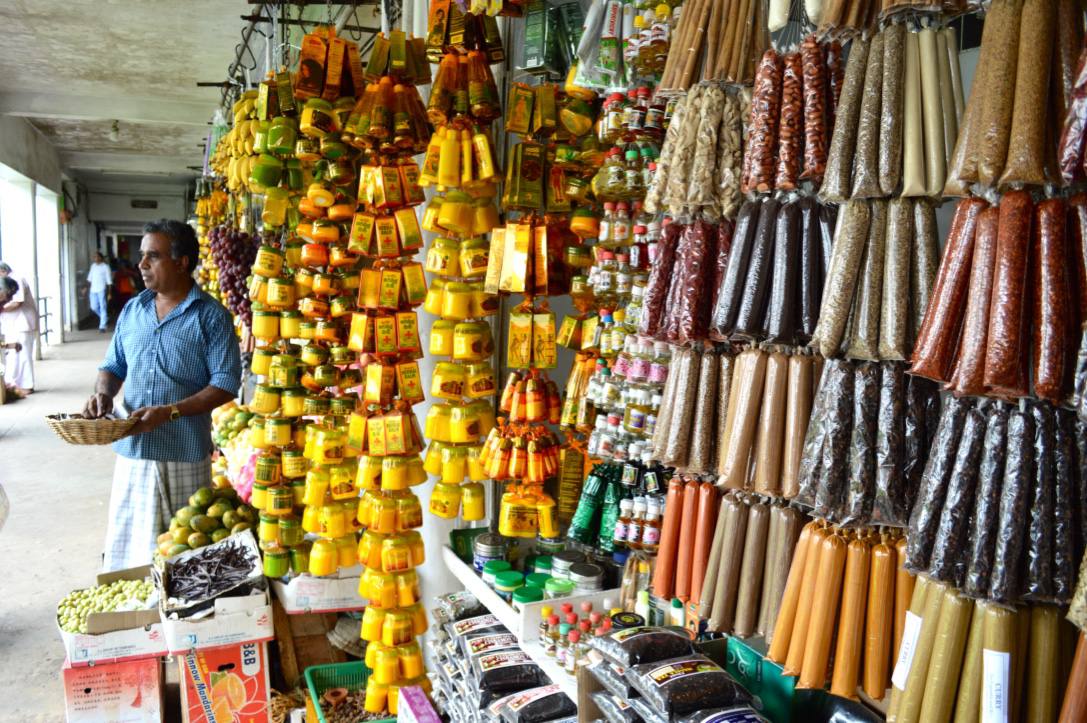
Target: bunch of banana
{"points": [[234, 157]]}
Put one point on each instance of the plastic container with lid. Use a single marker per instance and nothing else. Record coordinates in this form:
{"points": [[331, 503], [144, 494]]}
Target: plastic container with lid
{"points": [[587, 577], [277, 562], [488, 547], [524, 595], [324, 559], [537, 579], [290, 531], [491, 570], [561, 563], [506, 582], [556, 588], [543, 565]]}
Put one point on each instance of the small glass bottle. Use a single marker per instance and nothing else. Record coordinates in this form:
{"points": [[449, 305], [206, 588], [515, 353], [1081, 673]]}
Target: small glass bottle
{"points": [[551, 641], [637, 523], [573, 652], [651, 531]]}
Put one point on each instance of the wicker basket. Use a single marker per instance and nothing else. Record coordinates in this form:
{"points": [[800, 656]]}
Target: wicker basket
{"points": [[74, 429]]}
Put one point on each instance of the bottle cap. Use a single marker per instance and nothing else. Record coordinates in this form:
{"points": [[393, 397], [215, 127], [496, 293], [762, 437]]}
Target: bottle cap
{"points": [[553, 620]]}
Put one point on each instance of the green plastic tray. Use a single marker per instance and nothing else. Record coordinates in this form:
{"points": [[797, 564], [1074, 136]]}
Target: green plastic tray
{"points": [[352, 676]]}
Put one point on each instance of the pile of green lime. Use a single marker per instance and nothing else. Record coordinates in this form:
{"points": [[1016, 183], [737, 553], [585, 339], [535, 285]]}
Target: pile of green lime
{"points": [[73, 610], [230, 424], [210, 516]]}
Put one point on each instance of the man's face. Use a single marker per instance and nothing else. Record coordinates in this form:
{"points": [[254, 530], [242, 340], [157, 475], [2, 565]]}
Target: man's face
{"points": [[3, 274], [98, 258], [157, 267]]}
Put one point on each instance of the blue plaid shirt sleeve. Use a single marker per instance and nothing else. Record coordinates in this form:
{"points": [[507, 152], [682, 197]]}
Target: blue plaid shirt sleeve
{"points": [[115, 362], [224, 356]]}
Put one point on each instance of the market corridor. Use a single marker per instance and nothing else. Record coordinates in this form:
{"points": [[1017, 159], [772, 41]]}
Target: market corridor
{"points": [[53, 537]]}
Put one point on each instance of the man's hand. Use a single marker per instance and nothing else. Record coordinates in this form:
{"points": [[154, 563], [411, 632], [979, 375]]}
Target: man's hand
{"points": [[99, 405], [149, 418]]}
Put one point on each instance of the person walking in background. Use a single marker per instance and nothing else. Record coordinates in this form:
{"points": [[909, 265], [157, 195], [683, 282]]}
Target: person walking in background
{"points": [[19, 323], [100, 279], [125, 280], [175, 351]]}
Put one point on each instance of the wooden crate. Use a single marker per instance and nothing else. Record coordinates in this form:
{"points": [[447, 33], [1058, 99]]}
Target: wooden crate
{"points": [[303, 641]]}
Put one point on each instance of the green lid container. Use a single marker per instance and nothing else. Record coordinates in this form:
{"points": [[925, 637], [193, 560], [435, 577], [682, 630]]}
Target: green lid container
{"points": [[556, 588], [492, 569], [527, 594], [542, 564], [506, 582], [537, 579]]}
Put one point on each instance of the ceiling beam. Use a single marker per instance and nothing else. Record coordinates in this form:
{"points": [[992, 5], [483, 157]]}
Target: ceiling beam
{"points": [[132, 110], [129, 162]]}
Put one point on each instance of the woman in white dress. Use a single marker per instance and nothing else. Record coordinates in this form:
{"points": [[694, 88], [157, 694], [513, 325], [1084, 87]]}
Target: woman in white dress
{"points": [[19, 323]]}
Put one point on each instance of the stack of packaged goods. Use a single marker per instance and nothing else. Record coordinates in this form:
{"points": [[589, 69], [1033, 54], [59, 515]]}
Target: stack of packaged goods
{"points": [[460, 165]]}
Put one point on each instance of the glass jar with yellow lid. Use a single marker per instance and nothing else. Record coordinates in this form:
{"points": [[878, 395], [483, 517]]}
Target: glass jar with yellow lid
{"points": [[464, 424], [268, 262], [368, 474], [379, 588], [332, 521], [314, 255], [294, 466], [341, 482], [266, 325], [326, 375], [472, 341], [432, 460], [278, 432], [435, 297], [409, 512], [454, 464], [316, 405], [328, 445], [317, 483], [261, 361], [395, 554], [447, 381], [341, 306], [300, 557], [323, 558], [290, 324], [265, 399], [256, 432], [473, 257], [456, 301], [441, 337], [268, 468], [443, 257], [312, 307], [411, 660], [280, 501], [436, 425], [292, 402], [268, 528], [344, 404], [369, 549], [318, 119], [324, 284], [327, 331], [397, 629], [445, 500]]}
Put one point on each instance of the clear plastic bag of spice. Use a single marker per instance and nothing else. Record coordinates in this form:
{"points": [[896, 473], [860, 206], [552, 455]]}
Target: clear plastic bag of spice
{"points": [[837, 385], [986, 508], [862, 449], [1065, 480], [1006, 578], [925, 517], [686, 684], [889, 505], [947, 562], [922, 420], [732, 284], [1039, 557], [634, 646]]}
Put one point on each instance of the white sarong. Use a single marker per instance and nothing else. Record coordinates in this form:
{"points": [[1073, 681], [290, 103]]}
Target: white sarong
{"points": [[145, 495]]}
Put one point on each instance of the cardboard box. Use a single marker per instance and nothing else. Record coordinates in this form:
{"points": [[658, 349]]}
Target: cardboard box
{"points": [[126, 692], [235, 620], [227, 683], [308, 594], [115, 637], [414, 707]]}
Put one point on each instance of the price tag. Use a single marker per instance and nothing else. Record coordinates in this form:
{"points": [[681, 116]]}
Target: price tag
{"points": [[910, 632]]}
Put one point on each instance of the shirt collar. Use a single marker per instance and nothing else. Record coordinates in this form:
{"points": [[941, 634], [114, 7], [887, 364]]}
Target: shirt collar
{"points": [[148, 302]]}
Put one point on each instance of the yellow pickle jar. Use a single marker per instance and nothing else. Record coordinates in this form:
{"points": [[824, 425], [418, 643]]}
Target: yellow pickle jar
{"points": [[454, 464], [409, 512], [341, 482], [323, 558], [435, 297], [259, 496], [265, 399], [280, 501], [290, 324], [277, 432], [261, 362], [441, 337], [368, 476], [472, 341], [280, 293], [268, 469], [447, 381], [317, 481], [266, 325], [292, 402], [268, 528], [436, 425], [268, 262], [473, 501], [445, 500], [332, 522]]}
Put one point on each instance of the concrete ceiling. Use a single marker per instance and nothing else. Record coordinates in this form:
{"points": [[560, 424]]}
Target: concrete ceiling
{"points": [[72, 67]]}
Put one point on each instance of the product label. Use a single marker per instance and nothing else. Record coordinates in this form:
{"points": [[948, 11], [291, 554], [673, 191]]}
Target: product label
{"points": [[910, 631], [620, 703], [630, 633], [620, 531], [489, 643], [652, 482], [651, 536], [503, 660], [464, 627], [665, 673], [995, 686], [520, 700]]}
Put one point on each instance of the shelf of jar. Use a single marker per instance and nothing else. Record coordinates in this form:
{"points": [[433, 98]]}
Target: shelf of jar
{"points": [[524, 623]]}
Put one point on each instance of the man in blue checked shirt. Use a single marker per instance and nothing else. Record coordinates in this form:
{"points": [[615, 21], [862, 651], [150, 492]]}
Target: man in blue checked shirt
{"points": [[175, 351]]}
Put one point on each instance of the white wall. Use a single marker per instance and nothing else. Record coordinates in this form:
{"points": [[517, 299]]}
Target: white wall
{"points": [[115, 207], [26, 150]]}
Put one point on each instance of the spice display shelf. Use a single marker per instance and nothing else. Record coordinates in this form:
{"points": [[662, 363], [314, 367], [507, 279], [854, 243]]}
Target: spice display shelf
{"points": [[523, 623]]}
